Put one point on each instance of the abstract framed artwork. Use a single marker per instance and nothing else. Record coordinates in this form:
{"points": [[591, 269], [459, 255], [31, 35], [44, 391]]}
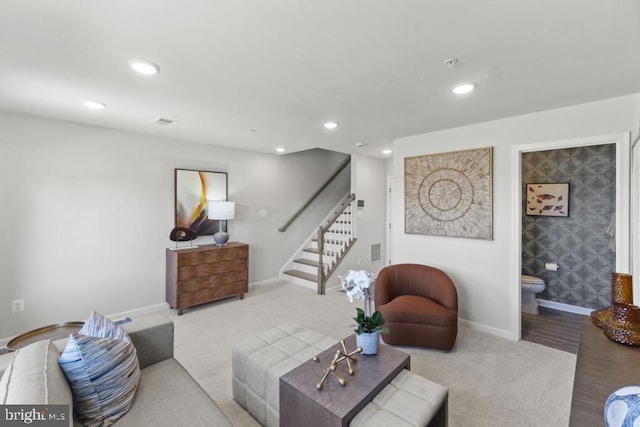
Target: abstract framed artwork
{"points": [[450, 194], [193, 188], [548, 199]]}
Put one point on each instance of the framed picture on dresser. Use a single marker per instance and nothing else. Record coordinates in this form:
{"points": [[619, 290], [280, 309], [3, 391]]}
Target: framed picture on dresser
{"points": [[193, 188]]}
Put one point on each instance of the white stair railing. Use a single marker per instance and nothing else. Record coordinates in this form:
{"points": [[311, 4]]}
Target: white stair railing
{"points": [[335, 238]]}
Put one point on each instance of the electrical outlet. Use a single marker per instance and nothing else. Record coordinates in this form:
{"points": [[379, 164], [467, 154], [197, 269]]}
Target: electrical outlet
{"points": [[17, 305]]}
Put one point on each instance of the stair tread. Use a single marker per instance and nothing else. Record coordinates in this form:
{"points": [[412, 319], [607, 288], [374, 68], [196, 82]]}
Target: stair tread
{"points": [[331, 241], [302, 275], [311, 262], [312, 250]]}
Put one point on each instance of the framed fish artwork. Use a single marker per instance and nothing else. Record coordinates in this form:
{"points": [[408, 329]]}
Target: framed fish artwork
{"points": [[548, 199]]}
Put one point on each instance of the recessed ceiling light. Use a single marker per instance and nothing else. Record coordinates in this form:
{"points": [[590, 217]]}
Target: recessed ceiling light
{"points": [[144, 67], [331, 125], [451, 62], [94, 105], [386, 151], [281, 149], [463, 88]]}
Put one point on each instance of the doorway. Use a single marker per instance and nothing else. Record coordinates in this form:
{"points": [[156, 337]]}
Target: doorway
{"points": [[622, 212]]}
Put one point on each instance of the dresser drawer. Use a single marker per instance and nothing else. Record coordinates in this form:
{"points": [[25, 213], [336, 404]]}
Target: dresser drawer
{"points": [[211, 269], [211, 293], [218, 280], [212, 256]]}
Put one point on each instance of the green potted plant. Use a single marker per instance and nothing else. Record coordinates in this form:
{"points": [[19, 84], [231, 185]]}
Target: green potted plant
{"points": [[368, 331], [369, 324]]}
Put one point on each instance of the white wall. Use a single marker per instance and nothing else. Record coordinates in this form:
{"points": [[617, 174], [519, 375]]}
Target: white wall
{"points": [[86, 214], [368, 179], [479, 268]]}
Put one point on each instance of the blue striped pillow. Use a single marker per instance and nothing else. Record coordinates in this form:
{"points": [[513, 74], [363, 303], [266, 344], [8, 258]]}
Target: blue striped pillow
{"points": [[101, 365]]}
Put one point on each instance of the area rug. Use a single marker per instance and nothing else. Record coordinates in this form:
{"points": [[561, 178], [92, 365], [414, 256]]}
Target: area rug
{"points": [[492, 381]]}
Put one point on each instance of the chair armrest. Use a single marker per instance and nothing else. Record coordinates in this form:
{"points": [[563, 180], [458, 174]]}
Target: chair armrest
{"points": [[152, 336]]}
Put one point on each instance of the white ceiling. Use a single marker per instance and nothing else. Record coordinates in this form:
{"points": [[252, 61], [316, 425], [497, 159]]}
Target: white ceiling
{"points": [[283, 67]]}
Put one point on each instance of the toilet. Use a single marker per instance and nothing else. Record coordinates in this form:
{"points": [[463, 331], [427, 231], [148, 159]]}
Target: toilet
{"points": [[530, 287]]}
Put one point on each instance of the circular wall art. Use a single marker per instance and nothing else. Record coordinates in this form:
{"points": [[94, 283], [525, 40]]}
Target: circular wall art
{"points": [[450, 194]]}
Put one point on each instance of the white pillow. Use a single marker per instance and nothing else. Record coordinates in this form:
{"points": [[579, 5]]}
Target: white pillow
{"points": [[33, 377]]}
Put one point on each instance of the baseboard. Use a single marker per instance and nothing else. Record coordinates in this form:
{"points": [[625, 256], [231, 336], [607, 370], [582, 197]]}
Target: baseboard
{"points": [[565, 307], [265, 282], [488, 329], [148, 309]]}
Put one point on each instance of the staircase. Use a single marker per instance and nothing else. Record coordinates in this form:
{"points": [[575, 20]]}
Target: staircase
{"points": [[322, 252]]}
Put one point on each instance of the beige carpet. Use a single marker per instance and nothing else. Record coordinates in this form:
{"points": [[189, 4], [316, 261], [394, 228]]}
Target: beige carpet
{"points": [[492, 381]]}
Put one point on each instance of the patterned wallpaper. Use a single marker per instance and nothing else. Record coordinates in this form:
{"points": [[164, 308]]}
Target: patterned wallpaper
{"points": [[579, 243]]}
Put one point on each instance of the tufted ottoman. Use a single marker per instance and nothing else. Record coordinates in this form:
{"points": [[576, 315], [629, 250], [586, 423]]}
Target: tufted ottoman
{"points": [[259, 362]]}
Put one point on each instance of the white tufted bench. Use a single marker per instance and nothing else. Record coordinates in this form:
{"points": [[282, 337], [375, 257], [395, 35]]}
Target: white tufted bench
{"points": [[409, 400], [259, 362]]}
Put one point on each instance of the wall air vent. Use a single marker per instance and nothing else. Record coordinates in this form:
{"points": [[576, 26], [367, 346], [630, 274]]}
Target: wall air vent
{"points": [[375, 252], [163, 122]]}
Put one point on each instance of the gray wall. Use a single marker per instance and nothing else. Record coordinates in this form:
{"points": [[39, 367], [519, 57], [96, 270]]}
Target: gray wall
{"points": [[86, 214], [579, 243]]}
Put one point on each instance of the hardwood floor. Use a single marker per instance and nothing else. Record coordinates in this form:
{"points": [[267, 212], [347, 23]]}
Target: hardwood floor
{"points": [[552, 328]]}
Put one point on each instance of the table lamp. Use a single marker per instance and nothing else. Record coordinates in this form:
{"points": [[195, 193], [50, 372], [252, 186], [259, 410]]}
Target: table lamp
{"points": [[222, 211]]}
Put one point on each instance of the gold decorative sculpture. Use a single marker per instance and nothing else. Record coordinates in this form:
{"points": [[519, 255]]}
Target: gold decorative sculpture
{"points": [[345, 355], [341, 355], [329, 370]]}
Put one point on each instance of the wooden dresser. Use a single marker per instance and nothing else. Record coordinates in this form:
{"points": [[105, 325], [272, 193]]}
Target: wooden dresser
{"points": [[206, 273]]}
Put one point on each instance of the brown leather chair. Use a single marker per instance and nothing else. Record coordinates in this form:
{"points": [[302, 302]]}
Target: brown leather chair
{"points": [[419, 305]]}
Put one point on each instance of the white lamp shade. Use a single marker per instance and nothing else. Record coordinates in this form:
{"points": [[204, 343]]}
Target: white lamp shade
{"points": [[221, 210]]}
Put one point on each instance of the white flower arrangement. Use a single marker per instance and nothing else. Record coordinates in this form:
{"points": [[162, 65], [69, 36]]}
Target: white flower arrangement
{"points": [[357, 284]]}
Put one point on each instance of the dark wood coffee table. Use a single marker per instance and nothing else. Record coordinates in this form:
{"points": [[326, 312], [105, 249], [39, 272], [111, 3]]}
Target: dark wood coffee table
{"points": [[302, 404]]}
